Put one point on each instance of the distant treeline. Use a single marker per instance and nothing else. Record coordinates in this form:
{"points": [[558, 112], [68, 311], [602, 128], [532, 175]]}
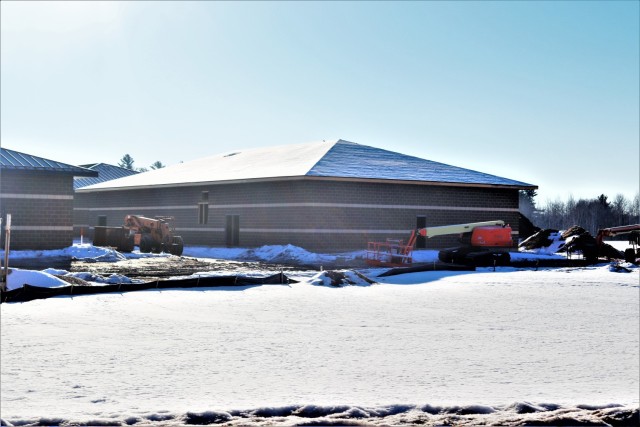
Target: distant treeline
{"points": [[590, 214]]}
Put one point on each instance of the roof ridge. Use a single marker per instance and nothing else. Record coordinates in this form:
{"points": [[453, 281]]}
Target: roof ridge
{"points": [[325, 153]]}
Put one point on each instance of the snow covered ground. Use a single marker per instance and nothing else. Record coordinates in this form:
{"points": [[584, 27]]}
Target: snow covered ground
{"points": [[432, 347]]}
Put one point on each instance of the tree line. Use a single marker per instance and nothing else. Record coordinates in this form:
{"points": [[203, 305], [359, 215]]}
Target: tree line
{"points": [[590, 214], [127, 162]]}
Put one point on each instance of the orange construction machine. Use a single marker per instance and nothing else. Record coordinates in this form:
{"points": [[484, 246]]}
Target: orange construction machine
{"points": [[150, 234], [483, 243]]}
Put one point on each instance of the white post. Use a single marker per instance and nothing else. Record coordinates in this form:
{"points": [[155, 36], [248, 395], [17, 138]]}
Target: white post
{"points": [[2, 278], [7, 239]]}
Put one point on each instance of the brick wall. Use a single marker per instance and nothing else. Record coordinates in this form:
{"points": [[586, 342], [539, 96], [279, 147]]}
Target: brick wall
{"points": [[319, 215], [41, 208]]}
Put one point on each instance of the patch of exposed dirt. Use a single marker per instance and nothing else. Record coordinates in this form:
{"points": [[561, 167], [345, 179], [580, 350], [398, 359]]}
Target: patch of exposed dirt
{"points": [[170, 266]]}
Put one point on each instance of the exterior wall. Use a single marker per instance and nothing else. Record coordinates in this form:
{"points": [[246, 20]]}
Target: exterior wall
{"points": [[41, 208], [319, 215]]}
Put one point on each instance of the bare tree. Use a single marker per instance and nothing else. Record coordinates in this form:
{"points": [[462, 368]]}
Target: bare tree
{"points": [[590, 214]]}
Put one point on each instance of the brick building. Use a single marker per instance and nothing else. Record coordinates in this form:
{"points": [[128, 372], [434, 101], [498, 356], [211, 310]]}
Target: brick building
{"points": [[38, 193], [106, 172], [323, 196]]}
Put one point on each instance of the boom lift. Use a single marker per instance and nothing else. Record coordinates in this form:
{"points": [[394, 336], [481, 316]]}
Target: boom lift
{"points": [[630, 254], [484, 243]]}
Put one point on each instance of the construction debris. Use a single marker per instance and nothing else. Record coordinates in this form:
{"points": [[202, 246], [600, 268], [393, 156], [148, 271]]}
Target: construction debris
{"points": [[541, 239], [341, 278], [574, 240]]}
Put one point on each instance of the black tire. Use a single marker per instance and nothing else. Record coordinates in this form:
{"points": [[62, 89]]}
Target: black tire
{"points": [[446, 255], [177, 246], [126, 244], [630, 255], [146, 243], [478, 259]]}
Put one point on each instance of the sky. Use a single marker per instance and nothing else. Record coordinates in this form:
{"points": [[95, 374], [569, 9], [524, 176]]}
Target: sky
{"points": [[541, 92]]}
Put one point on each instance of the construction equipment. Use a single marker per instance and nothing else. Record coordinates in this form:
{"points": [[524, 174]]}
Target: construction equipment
{"points": [[150, 234], [484, 243], [630, 254]]}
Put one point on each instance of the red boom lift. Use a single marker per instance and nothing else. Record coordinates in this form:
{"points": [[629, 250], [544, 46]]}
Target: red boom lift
{"points": [[484, 243]]}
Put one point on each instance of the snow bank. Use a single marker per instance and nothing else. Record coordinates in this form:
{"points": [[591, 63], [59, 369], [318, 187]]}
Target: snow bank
{"points": [[340, 278], [518, 413], [18, 277], [283, 254], [85, 251]]}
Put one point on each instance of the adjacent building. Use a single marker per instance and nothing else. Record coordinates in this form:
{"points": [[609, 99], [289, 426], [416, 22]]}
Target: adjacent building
{"points": [[323, 196], [38, 193]]}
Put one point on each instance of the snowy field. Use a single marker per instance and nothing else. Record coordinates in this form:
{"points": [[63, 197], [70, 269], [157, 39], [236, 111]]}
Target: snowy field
{"points": [[465, 348]]}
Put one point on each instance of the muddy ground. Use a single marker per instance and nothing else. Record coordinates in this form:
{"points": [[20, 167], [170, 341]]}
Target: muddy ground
{"points": [[154, 268]]}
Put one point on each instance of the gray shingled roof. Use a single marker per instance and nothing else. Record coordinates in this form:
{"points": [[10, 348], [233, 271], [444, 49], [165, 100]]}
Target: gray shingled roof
{"points": [[350, 160], [105, 171], [15, 160]]}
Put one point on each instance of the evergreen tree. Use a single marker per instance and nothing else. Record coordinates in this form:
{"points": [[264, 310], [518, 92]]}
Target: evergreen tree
{"points": [[527, 202], [126, 162], [157, 165]]}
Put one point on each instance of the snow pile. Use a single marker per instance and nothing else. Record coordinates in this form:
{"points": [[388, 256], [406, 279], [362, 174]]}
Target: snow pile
{"points": [[340, 278], [88, 251], [516, 414], [279, 254], [89, 277], [18, 277], [81, 251], [622, 267]]}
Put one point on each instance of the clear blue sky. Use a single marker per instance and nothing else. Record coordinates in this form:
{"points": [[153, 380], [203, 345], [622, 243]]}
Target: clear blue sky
{"points": [[541, 92]]}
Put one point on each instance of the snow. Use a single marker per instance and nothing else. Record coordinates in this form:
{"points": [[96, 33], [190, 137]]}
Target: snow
{"points": [[18, 277], [84, 251], [481, 347], [349, 160], [556, 243], [296, 160], [320, 159]]}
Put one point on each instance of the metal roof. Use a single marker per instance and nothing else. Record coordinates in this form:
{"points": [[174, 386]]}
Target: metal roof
{"points": [[342, 160], [350, 160], [15, 160], [105, 171]]}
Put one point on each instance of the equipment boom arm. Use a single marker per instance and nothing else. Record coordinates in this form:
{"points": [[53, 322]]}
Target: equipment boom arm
{"points": [[457, 228]]}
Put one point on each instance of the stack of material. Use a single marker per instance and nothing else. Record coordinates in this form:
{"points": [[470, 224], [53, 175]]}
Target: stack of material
{"points": [[575, 240], [541, 239]]}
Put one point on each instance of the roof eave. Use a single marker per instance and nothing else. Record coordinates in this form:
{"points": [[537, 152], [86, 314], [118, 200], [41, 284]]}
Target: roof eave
{"points": [[73, 172], [313, 178]]}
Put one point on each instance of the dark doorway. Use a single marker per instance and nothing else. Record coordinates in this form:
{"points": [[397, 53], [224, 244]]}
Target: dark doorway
{"points": [[421, 241], [102, 220], [232, 230]]}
